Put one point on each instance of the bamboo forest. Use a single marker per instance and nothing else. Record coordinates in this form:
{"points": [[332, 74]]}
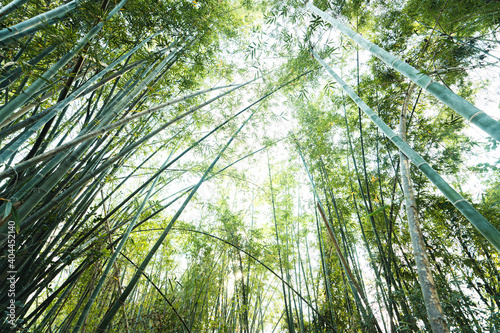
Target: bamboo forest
{"points": [[249, 166]]}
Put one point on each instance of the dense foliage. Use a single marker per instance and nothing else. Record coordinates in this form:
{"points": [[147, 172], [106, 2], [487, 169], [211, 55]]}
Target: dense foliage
{"points": [[190, 166]]}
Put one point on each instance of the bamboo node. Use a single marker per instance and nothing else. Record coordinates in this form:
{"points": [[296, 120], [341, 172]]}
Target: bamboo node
{"points": [[424, 162], [459, 201], [474, 115]]}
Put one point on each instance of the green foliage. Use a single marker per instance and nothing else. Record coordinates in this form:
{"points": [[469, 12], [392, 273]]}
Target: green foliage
{"points": [[244, 257]]}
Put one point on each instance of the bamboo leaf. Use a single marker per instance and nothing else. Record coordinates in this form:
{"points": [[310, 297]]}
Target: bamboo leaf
{"points": [[7, 209], [15, 216], [378, 210]]}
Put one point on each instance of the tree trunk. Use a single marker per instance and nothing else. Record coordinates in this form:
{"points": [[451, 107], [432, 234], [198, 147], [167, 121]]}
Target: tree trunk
{"points": [[429, 291]]}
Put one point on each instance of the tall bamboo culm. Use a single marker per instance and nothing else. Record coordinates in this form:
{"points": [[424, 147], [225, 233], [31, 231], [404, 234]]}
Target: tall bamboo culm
{"points": [[445, 95], [427, 285], [477, 220]]}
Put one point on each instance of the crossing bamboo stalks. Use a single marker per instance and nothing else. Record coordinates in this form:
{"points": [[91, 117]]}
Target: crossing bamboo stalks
{"points": [[26, 94], [356, 292], [111, 313], [346, 267], [281, 278], [84, 180], [162, 294], [112, 260], [477, 220], [385, 265], [101, 120], [38, 21], [63, 103], [324, 268], [114, 308], [457, 103], [13, 75], [104, 130]]}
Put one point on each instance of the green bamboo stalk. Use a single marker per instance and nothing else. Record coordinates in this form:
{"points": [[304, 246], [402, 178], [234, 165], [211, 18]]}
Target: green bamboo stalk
{"points": [[48, 94], [70, 280], [166, 63], [371, 219], [347, 249], [83, 90], [30, 32], [278, 321], [366, 204], [112, 311], [388, 224], [112, 160], [162, 294], [62, 104], [455, 280], [324, 268], [81, 182], [14, 145], [22, 49], [113, 257], [102, 119], [315, 290], [281, 278], [298, 278], [457, 103], [39, 20], [75, 252], [203, 289], [348, 270], [12, 6], [107, 319], [182, 192], [71, 222], [10, 77], [427, 285], [104, 130], [288, 312], [357, 292], [17, 102], [54, 310], [481, 224]]}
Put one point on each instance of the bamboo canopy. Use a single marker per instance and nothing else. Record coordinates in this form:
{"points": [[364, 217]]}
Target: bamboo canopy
{"points": [[188, 166], [445, 95]]}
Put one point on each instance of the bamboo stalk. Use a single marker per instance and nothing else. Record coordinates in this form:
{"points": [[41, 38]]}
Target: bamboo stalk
{"points": [[104, 130], [457, 103], [477, 220], [347, 268], [112, 311], [281, 278], [38, 21], [25, 95], [12, 6], [427, 285], [288, 312], [112, 259]]}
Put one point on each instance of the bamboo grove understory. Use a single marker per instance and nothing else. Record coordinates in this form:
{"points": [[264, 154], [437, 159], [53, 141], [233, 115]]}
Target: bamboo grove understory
{"points": [[249, 166]]}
